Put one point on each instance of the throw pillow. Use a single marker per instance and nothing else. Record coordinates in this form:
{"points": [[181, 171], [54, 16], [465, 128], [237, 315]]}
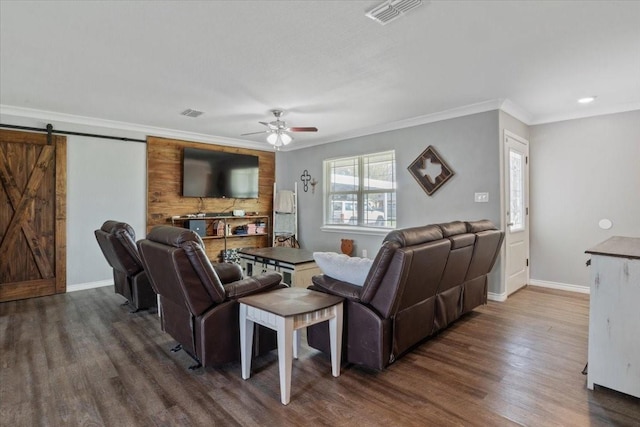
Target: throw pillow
{"points": [[342, 267]]}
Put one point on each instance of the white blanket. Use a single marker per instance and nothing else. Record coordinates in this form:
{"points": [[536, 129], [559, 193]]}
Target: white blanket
{"points": [[284, 202]]}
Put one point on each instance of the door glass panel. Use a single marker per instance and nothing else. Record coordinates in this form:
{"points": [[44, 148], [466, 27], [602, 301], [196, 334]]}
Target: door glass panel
{"points": [[516, 191]]}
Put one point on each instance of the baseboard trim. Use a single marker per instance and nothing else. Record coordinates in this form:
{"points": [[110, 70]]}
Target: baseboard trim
{"points": [[497, 297], [90, 285], [560, 286]]}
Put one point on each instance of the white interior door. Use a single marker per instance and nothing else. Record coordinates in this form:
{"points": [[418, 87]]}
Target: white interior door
{"points": [[516, 166]]}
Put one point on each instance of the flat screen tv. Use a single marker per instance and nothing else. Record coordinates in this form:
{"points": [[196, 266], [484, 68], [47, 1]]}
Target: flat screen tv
{"points": [[208, 173]]}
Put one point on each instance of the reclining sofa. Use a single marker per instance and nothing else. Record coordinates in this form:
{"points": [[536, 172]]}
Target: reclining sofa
{"points": [[198, 299], [117, 240], [421, 280]]}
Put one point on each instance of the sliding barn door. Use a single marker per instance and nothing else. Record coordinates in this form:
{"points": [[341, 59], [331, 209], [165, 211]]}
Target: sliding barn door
{"points": [[32, 215]]}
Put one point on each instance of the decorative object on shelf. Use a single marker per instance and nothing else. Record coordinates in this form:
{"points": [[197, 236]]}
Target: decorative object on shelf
{"points": [[219, 228], [313, 183], [430, 170], [346, 246], [305, 177]]}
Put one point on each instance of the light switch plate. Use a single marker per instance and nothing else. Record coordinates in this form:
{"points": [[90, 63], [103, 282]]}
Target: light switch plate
{"points": [[481, 197]]}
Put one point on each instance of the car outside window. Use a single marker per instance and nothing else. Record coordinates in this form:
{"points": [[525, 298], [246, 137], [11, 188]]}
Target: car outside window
{"points": [[361, 191]]}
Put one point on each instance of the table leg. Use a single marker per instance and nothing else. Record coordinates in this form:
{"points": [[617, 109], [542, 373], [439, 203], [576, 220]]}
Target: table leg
{"points": [[246, 342], [296, 343], [335, 338], [285, 350]]}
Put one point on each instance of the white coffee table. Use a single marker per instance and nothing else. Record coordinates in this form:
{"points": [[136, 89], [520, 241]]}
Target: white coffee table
{"points": [[287, 311]]}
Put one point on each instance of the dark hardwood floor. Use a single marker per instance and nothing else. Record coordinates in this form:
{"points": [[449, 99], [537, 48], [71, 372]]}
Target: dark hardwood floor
{"points": [[82, 359]]}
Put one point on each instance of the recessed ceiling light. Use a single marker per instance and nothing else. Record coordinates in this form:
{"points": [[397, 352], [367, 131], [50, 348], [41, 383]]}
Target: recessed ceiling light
{"points": [[587, 100]]}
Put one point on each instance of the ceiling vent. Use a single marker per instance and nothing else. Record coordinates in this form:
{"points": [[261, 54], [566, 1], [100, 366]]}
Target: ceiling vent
{"points": [[392, 9], [191, 113]]}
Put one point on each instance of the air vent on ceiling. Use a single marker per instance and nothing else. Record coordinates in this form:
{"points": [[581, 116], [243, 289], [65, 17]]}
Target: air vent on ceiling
{"points": [[392, 9], [191, 113]]}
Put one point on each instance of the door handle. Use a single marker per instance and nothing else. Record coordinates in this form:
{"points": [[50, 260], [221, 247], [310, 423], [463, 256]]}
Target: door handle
{"points": [[509, 224]]}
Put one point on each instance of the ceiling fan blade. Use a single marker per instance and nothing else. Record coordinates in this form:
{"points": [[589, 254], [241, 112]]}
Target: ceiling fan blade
{"points": [[302, 129], [254, 133], [270, 125]]}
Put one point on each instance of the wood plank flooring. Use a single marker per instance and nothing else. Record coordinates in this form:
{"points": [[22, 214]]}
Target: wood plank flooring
{"points": [[80, 359]]}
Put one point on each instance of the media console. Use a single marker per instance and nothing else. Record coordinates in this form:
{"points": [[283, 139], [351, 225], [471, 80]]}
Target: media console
{"points": [[225, 227]]}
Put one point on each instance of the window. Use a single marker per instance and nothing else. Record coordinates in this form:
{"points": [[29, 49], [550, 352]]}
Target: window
{"points": [[516, 191], [361, 191]]}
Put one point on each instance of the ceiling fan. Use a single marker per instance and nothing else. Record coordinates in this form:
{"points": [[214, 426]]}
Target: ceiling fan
{"points": [[278, 132]]}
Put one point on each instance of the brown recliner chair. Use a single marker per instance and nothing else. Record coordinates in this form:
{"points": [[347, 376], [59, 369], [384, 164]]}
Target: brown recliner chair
{"points": [[117, 240], [198, 299], [422, 279]]}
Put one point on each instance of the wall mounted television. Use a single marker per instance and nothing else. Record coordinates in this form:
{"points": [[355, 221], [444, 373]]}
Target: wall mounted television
{"points": [[218, 174]]}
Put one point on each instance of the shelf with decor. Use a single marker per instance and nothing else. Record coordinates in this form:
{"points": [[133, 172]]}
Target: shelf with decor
{"points": [[225, 227]]}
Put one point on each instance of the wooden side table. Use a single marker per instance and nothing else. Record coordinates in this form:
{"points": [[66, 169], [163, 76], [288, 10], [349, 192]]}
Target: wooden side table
{"points": [[286, 311]]}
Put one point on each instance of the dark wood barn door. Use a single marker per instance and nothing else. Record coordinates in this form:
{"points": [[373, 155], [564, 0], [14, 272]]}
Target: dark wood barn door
{"points": [[32, 215]]}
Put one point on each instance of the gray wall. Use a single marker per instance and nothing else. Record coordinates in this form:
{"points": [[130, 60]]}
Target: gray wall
{"points": [[470, 145], [582, 171]]}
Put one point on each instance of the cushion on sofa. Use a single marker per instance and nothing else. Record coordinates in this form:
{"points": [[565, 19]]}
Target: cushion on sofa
{"points": [[343, 267]]}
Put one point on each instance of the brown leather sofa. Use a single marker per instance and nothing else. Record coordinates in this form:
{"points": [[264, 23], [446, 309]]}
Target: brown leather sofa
{"points": [[422, 280], [198, 299], [117, 240]]}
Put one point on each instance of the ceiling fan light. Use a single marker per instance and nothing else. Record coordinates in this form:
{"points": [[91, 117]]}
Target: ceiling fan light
{"points": [[272, 138], [285, 138]]}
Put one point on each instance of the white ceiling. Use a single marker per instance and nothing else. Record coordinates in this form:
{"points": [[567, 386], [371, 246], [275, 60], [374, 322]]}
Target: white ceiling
{"points": [[324, 62]]}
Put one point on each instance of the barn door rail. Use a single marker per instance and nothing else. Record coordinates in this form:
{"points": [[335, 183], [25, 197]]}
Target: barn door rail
{"points": [[49, 131]]}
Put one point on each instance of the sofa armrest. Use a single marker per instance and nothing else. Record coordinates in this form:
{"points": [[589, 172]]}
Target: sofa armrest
{"points": [[227, 272], [329, 285], [253, 285]]}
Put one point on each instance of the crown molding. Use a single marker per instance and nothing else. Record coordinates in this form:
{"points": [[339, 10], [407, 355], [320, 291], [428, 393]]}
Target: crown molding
{"points": [[481, 107], [505, 105], [139, 130], [516, 111]]}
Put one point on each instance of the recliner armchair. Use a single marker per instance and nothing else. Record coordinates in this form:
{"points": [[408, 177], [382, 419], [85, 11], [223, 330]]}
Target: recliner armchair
{"points": [[117, 240], [198, 299]]}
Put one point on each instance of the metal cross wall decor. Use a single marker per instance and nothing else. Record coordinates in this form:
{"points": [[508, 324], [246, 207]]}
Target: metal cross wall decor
{"points": [[305, 177]]}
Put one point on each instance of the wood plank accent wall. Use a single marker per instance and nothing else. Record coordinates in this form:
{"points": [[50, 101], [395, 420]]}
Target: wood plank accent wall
{"points": [[164, 190]]}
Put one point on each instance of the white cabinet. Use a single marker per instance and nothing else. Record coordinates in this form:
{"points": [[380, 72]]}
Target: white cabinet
{"points": [[296, 265], [614, 315]]}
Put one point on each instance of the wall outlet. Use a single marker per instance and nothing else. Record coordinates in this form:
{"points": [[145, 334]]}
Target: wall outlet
{"points": [[481, 197], [364, 253]]}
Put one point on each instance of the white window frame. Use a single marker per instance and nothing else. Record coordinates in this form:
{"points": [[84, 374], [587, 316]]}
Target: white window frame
{"points": [[360, 193]]}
